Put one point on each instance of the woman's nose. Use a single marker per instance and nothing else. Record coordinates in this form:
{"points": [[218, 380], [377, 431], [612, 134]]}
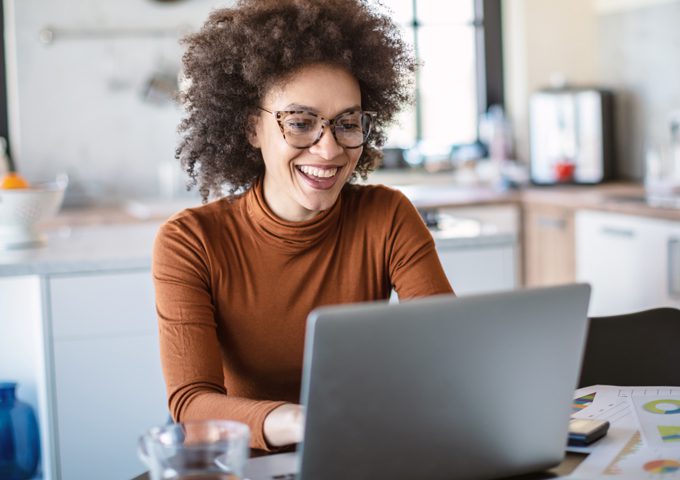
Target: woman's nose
{"points": [[327, 147]]}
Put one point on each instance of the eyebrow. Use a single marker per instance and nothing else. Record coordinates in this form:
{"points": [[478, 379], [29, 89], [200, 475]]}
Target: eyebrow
{"points": [[298, 106]]}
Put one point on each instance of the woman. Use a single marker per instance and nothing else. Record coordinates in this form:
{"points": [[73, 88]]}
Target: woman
{"points": [[286, 103]]}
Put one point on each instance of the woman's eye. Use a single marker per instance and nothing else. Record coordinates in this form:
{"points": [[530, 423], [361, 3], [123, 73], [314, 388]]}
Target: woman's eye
{"points": [[350, 126], [298, 125]]}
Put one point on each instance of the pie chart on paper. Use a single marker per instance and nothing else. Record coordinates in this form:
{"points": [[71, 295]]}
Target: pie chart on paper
{"points": [[663, 407], [662, 466]]}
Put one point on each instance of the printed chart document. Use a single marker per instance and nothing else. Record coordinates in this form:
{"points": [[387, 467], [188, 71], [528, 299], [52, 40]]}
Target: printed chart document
{"points": [[643, 442]]}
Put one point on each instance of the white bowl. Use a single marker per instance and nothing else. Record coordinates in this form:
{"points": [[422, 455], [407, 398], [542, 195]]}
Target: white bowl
{"points": [[21, 209]]}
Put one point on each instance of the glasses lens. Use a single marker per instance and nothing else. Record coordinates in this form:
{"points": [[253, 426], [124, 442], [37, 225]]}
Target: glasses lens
{"points": [[301, 129], [352, 129]]}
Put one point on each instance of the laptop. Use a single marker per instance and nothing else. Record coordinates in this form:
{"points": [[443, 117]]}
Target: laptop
{"points": [[477, 387]]}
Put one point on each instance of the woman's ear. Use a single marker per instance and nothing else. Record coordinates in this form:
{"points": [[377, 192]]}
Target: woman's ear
{"points": [[252, 131]]}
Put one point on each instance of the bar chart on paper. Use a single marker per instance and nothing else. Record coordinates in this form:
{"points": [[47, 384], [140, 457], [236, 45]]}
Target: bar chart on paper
{"points": [[582, 402], [636, 461], [669, 433], [659, 420], [643, 442]]}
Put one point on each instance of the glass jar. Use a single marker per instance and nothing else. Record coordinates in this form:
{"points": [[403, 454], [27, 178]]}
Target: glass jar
{"points": [[19, 439]]}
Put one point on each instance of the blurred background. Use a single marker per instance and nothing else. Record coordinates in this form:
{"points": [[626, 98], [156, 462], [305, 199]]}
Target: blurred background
{"points": [[543, 148], [90, 84]]}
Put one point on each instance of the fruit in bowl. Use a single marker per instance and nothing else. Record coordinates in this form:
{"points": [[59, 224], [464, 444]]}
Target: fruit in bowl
{"points": [[23, 206], [13, 180]]}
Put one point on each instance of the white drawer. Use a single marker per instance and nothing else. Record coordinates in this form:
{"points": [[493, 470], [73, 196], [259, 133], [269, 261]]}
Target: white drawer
{"points": [[102, 304], [108, 390]]}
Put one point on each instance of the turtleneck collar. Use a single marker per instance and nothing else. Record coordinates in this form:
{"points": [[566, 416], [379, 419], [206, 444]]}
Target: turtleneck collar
{"points": [[286, 235]]}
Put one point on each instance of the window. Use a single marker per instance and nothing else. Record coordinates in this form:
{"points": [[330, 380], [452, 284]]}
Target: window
{"points": [[4, 123], [458, 44]]}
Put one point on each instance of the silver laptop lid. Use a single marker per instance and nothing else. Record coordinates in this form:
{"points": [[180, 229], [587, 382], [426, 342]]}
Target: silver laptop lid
{"points": [[442, 387]]}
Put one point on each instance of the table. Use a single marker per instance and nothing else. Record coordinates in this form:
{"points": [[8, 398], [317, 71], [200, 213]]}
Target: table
{"points": [[571, 461]]}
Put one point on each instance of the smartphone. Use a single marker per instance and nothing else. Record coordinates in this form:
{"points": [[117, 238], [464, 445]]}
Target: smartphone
{"points": [[583, 431]]}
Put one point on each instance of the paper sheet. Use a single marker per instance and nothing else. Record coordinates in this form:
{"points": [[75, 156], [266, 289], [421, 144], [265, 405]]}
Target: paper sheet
{"points": [[643, 441]]}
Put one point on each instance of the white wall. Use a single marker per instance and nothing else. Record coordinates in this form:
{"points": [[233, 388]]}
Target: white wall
{"points": [[627, 46], [614, 6], [77, 104], [544, 39]]}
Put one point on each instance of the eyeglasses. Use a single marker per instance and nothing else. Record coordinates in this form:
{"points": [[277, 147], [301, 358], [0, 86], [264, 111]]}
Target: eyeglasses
{"points": [[302, 129]]}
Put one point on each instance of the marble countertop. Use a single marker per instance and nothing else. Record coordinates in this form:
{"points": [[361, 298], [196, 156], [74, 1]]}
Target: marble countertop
{"points": [[121, 238], [104, 238], [81, 249], [426, 191], [128, 245]]}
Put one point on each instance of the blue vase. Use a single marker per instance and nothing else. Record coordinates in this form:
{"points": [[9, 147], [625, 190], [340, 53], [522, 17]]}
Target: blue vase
{"points": [[19, 441]]}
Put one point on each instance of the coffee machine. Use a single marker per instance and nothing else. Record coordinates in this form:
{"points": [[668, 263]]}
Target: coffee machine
{"points": [[571, 135]]}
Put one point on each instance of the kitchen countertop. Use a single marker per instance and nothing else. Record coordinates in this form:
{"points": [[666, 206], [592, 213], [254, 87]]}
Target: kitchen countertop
{"points": [[121, 238], [439, 191], [103, 238], [89, 248], [617, 197], [126, 246]]}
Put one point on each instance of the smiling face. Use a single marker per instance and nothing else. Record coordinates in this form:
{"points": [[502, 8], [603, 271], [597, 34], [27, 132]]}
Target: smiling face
{"points": [[301, 183]]}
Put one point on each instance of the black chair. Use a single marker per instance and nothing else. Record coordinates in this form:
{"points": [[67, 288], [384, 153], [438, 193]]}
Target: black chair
{"points": [[641, 348]]}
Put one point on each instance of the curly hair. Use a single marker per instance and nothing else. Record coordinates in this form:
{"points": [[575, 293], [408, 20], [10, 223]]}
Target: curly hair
{"points": [[241, 52]]}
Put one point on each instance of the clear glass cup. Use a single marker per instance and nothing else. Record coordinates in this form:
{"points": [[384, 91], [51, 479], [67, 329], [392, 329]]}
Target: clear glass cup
{"points": [[206, 450]]}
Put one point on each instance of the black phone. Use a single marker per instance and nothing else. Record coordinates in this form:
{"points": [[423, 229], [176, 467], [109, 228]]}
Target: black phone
{"points": [[584, 431]]}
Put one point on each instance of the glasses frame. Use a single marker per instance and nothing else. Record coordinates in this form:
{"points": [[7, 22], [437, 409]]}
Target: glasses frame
{"points": [[331, 124]]}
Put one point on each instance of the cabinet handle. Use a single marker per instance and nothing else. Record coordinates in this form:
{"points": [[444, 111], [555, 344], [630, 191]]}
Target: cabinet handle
{"points": [[674, 267], [556, 223], [618, 232]]}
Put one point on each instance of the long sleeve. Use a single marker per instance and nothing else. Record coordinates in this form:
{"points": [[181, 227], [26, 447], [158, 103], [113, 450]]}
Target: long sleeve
{"points": [[234, 286], [414, 266], [191, 354]]}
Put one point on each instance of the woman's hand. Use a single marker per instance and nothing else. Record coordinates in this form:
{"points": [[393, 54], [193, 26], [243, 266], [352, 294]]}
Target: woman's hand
{"points": [[284, 425]]}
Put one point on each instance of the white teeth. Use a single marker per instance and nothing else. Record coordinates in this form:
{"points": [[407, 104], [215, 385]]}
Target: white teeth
{"points": [[318, 172]]}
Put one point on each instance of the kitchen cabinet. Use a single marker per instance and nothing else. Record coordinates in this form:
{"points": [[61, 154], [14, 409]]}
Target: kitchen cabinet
{"points": [[632, 263], [548, 245], [479, 268], [672, 250], [479, 249], [97, 369]]}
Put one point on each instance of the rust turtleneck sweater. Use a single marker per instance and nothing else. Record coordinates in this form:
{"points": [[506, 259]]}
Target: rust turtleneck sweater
{"points": [[234, 285]]}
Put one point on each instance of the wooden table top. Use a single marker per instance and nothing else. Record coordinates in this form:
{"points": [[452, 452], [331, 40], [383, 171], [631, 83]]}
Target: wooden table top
{"points": [[568, 465]]}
